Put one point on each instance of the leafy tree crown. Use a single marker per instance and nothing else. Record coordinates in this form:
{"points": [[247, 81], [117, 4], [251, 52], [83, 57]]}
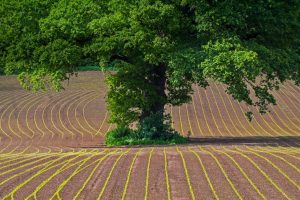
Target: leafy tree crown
{"points": [[251, 46]]}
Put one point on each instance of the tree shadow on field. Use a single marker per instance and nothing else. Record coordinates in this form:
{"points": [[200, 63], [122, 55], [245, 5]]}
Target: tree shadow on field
{"points": [[280, 141], [285, 141]]}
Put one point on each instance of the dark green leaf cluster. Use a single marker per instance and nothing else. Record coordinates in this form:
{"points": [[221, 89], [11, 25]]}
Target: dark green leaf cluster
{"points": [[154, 129], [129, 93], [1, 70], [156, 126]]}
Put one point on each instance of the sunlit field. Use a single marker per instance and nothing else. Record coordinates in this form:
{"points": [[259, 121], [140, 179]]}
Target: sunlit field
{"points": [[52, 147]]}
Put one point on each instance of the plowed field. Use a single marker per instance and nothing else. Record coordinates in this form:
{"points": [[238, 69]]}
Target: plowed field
{"points": [[51, 147]]}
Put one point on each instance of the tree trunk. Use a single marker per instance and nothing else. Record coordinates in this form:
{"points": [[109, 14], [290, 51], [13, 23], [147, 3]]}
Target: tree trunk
{"points": [[158, 81]]}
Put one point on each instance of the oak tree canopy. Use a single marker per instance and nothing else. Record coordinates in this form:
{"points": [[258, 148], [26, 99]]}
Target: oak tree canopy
{"points": [[158, 48]]}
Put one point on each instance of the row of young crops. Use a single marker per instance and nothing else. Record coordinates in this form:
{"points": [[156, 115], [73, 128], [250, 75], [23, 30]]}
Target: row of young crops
{"points": [[49, 149], [194, 172], [213, 113], [210, 114]]}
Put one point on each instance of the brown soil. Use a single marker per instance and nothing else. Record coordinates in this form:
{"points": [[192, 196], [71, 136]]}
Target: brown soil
{"points": [[179, 188], [157, 188], [73, 122]]}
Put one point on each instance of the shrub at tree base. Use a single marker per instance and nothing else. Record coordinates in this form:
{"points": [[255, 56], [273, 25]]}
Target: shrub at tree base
{"points": [[113, 138], [154, 129]]}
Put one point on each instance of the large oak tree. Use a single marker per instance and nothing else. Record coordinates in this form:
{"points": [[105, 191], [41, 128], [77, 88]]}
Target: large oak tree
{"points": [[158, 48]]}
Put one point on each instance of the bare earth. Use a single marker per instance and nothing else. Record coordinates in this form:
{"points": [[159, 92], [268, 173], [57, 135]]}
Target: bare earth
{"points": [[51, 147]]}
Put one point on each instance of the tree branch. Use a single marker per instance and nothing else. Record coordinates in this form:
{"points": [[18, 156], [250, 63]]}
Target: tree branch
{"points": [[119, 57]]}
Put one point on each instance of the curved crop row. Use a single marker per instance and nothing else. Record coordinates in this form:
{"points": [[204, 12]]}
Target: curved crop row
{"points": [[76, 169]]}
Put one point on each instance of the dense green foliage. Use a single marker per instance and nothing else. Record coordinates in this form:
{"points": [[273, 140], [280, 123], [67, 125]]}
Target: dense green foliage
{"points": [[159, 48], [1, 71], [88, 68], [152, 130], [131, 139]]}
